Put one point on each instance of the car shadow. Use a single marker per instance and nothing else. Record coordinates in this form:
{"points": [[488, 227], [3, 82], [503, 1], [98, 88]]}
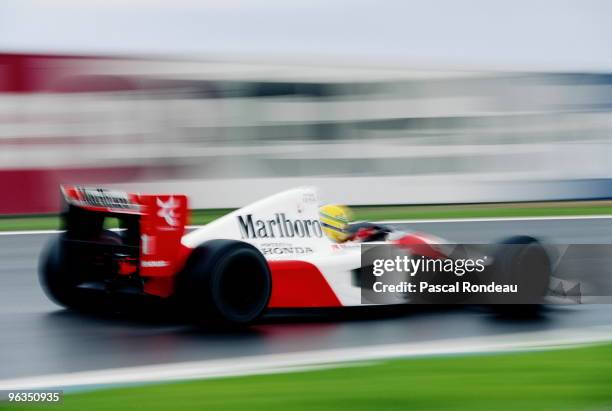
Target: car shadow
{"points": [[162, 317]]}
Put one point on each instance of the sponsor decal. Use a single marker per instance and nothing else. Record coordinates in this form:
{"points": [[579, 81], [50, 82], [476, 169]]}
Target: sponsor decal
{"points": [[100, 197], [309, 198], [154, 263], [273, 249], [147, 244], [167, 211], [345, 246], [279, 226]]}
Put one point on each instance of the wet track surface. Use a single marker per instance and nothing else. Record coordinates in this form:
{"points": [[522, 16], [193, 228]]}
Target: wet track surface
{"points": [[38, 337]]}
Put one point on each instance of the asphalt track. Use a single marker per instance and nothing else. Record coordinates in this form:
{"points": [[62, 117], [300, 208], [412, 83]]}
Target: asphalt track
{"points": [[39, 338]]}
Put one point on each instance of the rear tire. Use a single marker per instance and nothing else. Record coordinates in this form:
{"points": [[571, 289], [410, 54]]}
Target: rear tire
{"points": [[225, 282], [54, 277]]}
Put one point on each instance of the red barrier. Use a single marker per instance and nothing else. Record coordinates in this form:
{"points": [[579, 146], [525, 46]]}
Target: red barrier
{"points": [[34, 191]]}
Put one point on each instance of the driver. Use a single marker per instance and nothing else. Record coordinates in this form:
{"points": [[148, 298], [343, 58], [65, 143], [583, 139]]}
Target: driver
{"points": [[335, 221], [336, 224]]}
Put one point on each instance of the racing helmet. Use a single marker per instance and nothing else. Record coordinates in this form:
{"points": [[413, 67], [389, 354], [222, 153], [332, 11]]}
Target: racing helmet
{"points": [[334, 221]]}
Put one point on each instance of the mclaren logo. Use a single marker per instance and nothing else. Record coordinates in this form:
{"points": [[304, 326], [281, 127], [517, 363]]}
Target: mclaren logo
{"points": [[278, 227], [167, 211]]}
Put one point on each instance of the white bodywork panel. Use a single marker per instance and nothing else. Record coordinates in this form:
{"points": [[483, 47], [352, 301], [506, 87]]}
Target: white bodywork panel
{"points": [[284, 226]]}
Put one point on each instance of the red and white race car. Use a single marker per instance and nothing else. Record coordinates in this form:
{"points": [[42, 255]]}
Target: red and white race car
{"points": [[270, 254]]}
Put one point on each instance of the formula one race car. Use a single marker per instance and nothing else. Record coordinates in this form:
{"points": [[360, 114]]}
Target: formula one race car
{"points": [[271, 254]]}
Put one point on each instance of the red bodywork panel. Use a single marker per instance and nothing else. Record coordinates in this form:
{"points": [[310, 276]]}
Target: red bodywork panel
{"points": [[298, 284], [420, 244], [162, 226]]}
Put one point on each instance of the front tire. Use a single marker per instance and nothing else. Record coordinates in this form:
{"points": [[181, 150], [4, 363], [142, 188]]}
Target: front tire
{"points": [[523, 261], [225, 282]]}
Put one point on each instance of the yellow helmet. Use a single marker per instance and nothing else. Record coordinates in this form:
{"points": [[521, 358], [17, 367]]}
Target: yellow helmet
{"points": [[335, 221]]}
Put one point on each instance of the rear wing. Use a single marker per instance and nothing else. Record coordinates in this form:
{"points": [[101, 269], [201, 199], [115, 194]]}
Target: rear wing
{"points": [[102, 200], [152, 225]]}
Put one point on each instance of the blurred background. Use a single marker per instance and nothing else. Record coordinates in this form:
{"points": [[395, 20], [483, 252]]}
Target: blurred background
{"points": [[406, 103], [393, 102]]}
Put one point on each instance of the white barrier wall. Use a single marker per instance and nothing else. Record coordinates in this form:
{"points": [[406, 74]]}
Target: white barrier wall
{"points": [[229, 135], [234, 193]]}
